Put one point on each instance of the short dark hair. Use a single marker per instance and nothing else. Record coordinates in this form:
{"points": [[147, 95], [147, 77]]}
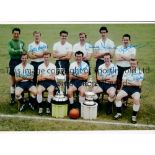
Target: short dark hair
{"points": [[16, 29], [78, 53], [103, 28], [24, 53], [133, 59], [63, 31], [127, 35], [107, 54], [47, 53], [36, 32], [81, 33]]}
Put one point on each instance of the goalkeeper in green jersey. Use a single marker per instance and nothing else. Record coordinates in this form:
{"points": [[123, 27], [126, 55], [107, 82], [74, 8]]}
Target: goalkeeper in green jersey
{"points": [[15, 49]]}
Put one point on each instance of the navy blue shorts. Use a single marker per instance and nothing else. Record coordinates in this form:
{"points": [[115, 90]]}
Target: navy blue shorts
{"points": [[98, 63], [106, 86], [78, 83], [131, 89], [12, 64], [63, 64], [47, 83], [25, 85]]}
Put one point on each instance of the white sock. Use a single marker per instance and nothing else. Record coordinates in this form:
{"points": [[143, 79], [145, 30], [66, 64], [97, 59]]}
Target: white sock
{"points": [[71, 100], [136, 107], [81, 99], [39, 98], [33, 96], [12, 90], [110, 99], [49, 98], [118, 103]]}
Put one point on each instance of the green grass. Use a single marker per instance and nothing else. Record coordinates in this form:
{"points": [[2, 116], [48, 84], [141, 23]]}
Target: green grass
{"points": [[143, 35]]}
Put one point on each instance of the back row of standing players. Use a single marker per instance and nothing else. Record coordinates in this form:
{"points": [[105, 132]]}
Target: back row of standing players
{"points": [[63, 51]]}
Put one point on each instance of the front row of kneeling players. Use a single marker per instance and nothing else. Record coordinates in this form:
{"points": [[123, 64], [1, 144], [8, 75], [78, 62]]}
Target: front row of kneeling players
{"points": [[78, 75]]}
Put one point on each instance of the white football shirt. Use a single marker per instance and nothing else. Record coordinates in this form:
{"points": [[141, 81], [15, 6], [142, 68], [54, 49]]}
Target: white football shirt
{"points": [[86, 48], [37, 48], [104, 46], [76, 69], [135, 76], [111, 71], [62, 48], [129, 52], [27, 71], [47, 70]]}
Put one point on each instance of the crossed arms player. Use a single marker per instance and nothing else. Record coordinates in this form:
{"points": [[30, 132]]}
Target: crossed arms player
{"points": [[46, 81], [106, 77], [24, 73], [131, 82], [78, 75]]}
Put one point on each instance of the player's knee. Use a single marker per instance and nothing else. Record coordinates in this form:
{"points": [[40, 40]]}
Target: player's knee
{"points": [[70, 92], [112, 94], [39, 91], [136, 100], [18, 94], [51, 91], [118, 97], [34, 92], [82, 92]]}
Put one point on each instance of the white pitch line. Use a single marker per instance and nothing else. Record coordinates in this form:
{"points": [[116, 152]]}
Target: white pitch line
{"points": [[151, 126]]}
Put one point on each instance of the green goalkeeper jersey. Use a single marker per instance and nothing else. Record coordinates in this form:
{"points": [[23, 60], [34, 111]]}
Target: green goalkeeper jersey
{"points": [[16, 48]]}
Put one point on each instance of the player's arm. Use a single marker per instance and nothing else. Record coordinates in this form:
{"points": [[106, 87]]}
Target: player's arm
{"points": [[118, 56], [135, 83], [83, 76], [18, 79], [58, 55], [97, 54], [12, 51], [31, 55], [41, 78], [102, 79], [112, 79], [50, 77], [67, 56], [39, 55]]}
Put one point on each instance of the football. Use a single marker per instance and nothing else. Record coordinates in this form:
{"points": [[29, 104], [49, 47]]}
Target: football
{"points": [[74, 113]]}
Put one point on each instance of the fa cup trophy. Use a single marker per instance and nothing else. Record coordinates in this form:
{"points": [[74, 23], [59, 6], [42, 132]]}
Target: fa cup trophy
{"points": [[60, 100]]}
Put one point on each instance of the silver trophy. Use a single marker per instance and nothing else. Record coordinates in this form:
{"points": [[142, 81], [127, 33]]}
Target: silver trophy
{"points": [[60, 79], [89, 107], [90, 95]]}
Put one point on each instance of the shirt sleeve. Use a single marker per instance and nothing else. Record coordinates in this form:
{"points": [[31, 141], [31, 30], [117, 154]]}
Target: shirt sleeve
{"points": [[90, 49], [45, 47], [133, 52], [71, 69], [29, 48], [115, 71], [74, 48], [70, 48], [86, 69], [32, 72], [96, 47], [55, 47]]}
